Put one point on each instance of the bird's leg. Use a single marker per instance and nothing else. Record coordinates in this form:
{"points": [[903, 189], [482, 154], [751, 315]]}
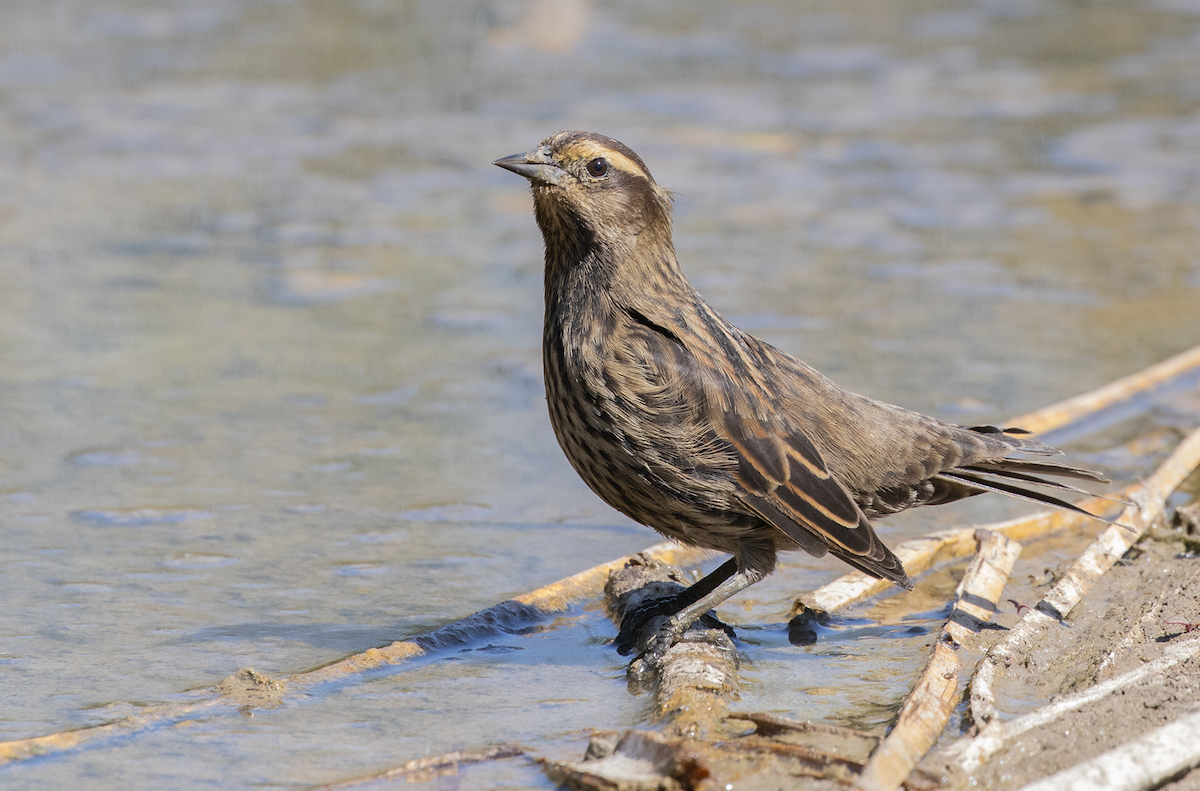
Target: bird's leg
{"points": [[657, 644], [685, 608], [634, 619]]}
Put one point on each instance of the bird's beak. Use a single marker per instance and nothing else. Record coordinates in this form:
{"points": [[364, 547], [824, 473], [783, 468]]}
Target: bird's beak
{"points": [[535, 165]]}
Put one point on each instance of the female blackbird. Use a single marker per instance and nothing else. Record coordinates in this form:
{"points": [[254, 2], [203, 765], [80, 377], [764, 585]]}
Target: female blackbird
{"points": [[714, 438]]}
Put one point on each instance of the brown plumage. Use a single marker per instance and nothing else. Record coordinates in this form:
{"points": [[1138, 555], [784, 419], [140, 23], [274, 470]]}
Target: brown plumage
{"points": [[710, 436]]}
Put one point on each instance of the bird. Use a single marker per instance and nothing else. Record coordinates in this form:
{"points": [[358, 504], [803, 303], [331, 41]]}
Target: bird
{"points": [[712, 437]]}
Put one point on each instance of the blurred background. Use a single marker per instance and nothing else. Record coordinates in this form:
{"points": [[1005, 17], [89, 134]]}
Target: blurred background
{"points": [[270, 377]]}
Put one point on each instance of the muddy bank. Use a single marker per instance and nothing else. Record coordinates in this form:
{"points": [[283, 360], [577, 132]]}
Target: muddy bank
{"points": [[1145, 607], [1123, 663]]}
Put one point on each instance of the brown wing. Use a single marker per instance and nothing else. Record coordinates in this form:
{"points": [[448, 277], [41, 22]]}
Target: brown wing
{"points": [[778, 473], [784, 480]]}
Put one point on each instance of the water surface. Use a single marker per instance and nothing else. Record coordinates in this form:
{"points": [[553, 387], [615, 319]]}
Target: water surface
{"points": [[269, 329]]}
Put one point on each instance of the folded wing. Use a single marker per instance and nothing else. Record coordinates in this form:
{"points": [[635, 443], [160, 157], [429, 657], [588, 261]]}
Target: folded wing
{"points": [[784, 480]]}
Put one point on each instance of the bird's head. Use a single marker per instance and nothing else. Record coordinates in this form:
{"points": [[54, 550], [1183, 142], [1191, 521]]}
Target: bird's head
{"points": [[590, 190]]}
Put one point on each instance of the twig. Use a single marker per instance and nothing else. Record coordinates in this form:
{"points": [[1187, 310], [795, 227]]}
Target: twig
{"points": [[1098, 558], [819, 761], [1081, 406], [1143, 763], [968, 754], [928, 708], [427, 768], [522, 610]]}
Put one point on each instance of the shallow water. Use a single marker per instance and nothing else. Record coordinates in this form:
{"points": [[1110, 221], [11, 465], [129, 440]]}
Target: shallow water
{"points": [[269, 329]]}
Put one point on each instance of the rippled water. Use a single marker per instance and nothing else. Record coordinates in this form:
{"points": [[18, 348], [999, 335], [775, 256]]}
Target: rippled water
{"points": [[270, 381]]}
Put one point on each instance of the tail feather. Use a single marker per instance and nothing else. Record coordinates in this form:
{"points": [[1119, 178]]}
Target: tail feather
{"points": [[972, 479], [1012, 475], [1006, 466], [1010, 437]]}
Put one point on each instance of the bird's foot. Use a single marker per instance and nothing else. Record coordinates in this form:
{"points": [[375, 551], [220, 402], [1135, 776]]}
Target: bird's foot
{"points": [[656, 645], [634, 622], [660, 638], [652, 628], [644, 670]]}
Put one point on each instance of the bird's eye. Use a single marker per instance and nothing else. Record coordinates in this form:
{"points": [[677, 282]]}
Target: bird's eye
{"points": [[597, 167]]}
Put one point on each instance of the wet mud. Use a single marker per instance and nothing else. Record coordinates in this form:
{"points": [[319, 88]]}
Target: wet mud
{"points": [[1146, 603], [1143, 613]]}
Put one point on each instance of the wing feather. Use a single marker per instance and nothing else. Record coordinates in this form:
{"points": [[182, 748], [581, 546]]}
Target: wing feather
{"points": [[786, 482]]}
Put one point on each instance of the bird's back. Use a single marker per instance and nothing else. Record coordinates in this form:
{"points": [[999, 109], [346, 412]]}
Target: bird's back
{"points": [[687, 424]]}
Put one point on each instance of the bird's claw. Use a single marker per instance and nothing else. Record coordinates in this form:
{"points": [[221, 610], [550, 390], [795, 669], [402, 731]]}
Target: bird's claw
{"points": [[656, 645], [636, 619], [667, 629], [670, 632]]}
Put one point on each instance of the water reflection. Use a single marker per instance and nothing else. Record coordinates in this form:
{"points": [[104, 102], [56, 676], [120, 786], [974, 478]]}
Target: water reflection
{"points": [[270, 321]]}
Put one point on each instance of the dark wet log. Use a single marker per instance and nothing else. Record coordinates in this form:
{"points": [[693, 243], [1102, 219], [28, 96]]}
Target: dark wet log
{"points": [[697, 676]]}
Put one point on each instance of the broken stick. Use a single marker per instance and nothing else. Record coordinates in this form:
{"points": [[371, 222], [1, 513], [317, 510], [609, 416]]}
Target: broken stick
{"points": [[928, 708], [1150, 501]]}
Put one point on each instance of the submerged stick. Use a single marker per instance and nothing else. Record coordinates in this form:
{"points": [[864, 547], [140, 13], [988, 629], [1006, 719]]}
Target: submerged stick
{"points": [[424, 769], [514, 613], [1081, 406], [928, 708], [1149, 504], [21, 749], [519, 611]]}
